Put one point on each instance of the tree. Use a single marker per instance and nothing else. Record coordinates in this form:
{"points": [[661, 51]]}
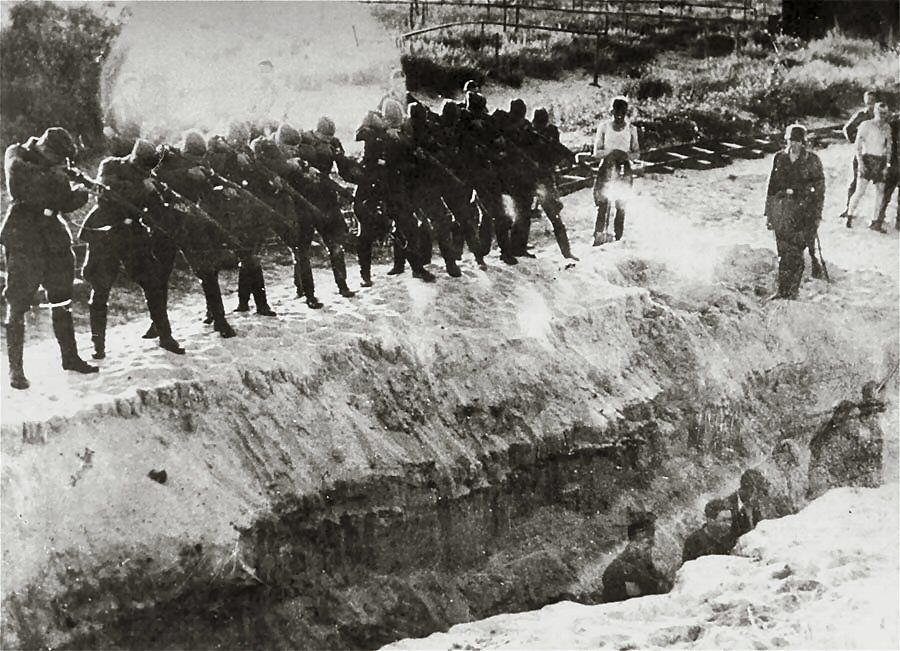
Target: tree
{"points": [[51, 57]]}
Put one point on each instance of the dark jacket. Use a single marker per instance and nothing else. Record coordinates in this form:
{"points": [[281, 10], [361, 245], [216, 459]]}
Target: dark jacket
{"points": [[39, 193], [633, 565], [125, 179], [700, 543], [795, 196]]}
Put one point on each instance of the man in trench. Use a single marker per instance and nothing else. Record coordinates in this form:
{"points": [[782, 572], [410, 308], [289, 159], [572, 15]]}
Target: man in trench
{"points": [[632, 573], [794, 200], [714, 537]]}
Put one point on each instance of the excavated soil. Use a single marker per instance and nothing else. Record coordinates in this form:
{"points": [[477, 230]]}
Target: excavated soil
{"points": [[426, 455]]}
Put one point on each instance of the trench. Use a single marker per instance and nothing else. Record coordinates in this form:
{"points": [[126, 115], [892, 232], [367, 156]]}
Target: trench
{"points": [[353, 494]]}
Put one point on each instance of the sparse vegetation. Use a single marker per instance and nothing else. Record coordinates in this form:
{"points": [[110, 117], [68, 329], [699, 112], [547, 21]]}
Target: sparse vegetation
{"points": [[686, 85]]}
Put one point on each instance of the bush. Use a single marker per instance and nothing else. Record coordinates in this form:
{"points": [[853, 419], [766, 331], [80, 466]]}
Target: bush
{"points": [[51, 58], [424, 74], [714, 45], [648, 88]]}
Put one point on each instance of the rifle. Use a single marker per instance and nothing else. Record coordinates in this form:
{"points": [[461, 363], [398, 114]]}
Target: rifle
{"points": [[881, 387], [96, 187], [822, 259]]}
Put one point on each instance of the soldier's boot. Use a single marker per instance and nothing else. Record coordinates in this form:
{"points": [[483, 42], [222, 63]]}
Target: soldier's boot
{"points": [[156, 305], [504, 244], [245, 289], [216, 309], [364, 258], [258, 289], [339, 269], [15, 343], [458, 239], [562, 239], [399, 259], [878, 225], [98, 314], [815, 268], [64, 330], [420, 272], [152, 332], [448, 253]]}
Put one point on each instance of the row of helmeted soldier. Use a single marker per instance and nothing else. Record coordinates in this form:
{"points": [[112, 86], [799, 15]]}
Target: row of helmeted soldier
{"points": [[217, 200]]}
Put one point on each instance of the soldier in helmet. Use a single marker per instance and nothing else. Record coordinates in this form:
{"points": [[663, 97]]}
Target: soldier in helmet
{"points": [[519, 171], [483, 156], [371, 199], [38, 244], [322, 151], [117, 235], [385, 193], [234, 159], [428, 185], [182, 173], [549, 153]]}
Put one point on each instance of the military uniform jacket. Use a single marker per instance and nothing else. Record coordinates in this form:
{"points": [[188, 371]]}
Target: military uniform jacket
{"points": [[174, 170], [39, 194], [795, 195], [124, 178]]}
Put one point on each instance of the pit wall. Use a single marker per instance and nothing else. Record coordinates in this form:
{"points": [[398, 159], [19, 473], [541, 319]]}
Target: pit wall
{"points": [[410, 477]]}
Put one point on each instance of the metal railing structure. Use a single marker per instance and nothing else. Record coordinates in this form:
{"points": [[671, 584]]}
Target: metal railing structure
{"points": [[590, 18]]}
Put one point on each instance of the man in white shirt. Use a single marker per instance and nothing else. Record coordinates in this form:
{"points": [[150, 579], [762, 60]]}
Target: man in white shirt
{"points": [[616, 141], [873, 150]]}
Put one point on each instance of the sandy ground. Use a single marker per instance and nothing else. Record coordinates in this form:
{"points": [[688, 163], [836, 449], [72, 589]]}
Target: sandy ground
{"points": [[691, 221]]}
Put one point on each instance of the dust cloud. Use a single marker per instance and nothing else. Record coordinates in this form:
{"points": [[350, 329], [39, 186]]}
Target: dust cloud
{"points": [[181, 65]]}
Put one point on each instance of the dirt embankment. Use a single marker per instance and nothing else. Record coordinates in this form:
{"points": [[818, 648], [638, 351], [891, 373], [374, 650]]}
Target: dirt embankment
{"points": [[422, 456]]}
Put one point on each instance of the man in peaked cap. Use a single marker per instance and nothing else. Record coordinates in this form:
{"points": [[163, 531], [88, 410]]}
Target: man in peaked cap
{"points": [[38, 244], [794, 200]]}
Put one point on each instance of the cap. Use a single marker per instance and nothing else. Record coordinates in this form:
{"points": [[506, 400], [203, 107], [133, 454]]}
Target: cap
{"points": [[194, 144], [517, 108], [325, 126], [144, 153], [795, 133], [287, 135], [57, 142]]}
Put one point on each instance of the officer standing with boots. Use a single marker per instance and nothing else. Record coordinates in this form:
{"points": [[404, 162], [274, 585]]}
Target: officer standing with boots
{"points": [[116, 236], [550, 153], [794, 200], [38, 244]]}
